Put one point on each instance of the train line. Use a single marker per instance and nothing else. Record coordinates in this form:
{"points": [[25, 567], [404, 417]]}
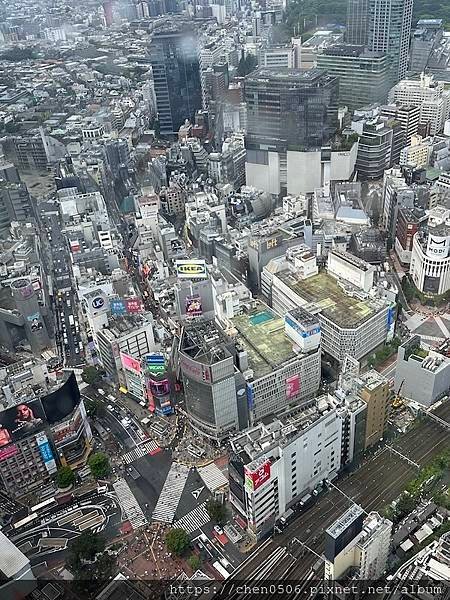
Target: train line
{"points": [[292, 554]]}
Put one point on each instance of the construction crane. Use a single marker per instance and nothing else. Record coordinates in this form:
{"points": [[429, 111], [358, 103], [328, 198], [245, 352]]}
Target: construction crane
{"points": [[398, 400]]}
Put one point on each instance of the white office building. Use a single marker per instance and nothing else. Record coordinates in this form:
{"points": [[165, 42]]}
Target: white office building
{"points": [[429, 95]]}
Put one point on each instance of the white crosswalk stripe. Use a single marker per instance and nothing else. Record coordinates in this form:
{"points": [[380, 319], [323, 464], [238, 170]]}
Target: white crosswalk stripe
{"points": [[129, 504], [212, 477], [194, 519], [167, 504], [140, 451]]}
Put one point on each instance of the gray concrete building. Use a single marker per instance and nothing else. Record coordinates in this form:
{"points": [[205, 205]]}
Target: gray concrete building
{"points": [[422, 375]]}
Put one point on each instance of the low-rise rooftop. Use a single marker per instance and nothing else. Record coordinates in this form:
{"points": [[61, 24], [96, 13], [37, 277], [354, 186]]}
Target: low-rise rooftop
{"points": [[261, 332], [330, 299]]}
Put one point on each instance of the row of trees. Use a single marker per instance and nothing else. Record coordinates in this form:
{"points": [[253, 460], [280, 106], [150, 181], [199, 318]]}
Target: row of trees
{"points": [[91, 565], [98, 463]]}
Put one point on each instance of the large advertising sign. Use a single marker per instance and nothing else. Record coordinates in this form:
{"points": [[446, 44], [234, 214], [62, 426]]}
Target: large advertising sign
{"points": [[19, 421], [46, 452], [67, 431], [155, 363], [254, 479], [292, 386], [134, 305], [130, 363], [35, 322], [191, 269], [118, 308], [193, 306], [60, 404], [195, 370], [159, 388], [8, 451]]}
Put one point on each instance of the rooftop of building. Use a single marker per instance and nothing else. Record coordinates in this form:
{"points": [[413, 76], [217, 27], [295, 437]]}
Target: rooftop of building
{"points": [[372, 379], [123, 325], [205, 342], [341, 524], [261, 332], [12, 560], [325, 293], [306, 76], [351, 51]]}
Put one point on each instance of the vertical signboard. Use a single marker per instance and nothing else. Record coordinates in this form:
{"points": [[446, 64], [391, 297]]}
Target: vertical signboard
{"points": [[46, 452]]}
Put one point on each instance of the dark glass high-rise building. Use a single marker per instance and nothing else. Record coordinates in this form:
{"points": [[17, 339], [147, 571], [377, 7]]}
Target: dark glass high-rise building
{"points": [[290, 109], [176, 75]]}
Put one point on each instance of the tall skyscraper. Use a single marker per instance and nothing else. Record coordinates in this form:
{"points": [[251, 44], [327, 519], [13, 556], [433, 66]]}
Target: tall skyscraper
{"points": [[357, 22], [290, 109], [176, 76], [389, 32]]}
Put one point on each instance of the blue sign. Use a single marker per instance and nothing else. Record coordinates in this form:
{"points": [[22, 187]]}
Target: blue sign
{"points": [[118, 307], [296, 327], [250, 397], [390, 317], [46, 452]]}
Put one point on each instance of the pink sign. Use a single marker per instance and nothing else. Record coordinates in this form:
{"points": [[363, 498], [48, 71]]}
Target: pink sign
{"points": [[292, 386], [134, 305], [130, 363], [8, 451]]}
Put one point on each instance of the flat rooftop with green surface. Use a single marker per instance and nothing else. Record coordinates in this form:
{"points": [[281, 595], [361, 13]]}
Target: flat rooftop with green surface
{"points": [[261, 332], [324, 291]]}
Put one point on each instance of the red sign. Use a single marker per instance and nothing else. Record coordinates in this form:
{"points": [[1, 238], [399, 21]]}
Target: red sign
{"points": [[130, 363], [254, 479], [292, 386], [134, 305]]}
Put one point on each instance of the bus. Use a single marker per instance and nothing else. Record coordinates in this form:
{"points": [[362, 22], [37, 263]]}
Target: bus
{"points": [[71, 321], [25, 521], [44, 505], [218, 567]]}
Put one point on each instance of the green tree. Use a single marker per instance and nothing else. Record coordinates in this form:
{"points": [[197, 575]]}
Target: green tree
{"points": [[404, 506], [217, 511], [91, 375], [177, 541], [65, 477], [90, 565], [94, 408], [194, 561], [99, 465]]}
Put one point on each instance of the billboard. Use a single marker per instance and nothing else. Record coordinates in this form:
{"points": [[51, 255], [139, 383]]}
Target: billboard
{"points": [[292, 386], [118, 308], [20, 421], [151, 400], [134, 305], [155, 363], [254, 479], [130, 363], [193, 306], [46, 452], [159, 388], [99, 302], [195, 370], [8, 451], [67, 431], [35, 322], [61, 403], [191, 269]]}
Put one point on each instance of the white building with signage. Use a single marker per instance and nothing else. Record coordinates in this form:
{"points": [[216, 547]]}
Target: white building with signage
{"points": [[430, 257], [356, 271], [280, 463]]}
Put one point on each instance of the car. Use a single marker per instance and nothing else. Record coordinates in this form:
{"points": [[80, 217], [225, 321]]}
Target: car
{"points": [[218, 529], [110, 407]]}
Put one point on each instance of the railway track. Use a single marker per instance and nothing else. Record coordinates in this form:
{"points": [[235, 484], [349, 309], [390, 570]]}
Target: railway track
{"points": [[379, 481]]}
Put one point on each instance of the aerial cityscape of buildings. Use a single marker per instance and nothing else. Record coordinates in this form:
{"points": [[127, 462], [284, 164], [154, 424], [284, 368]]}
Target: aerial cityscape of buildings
{"points": [[224, 299]]}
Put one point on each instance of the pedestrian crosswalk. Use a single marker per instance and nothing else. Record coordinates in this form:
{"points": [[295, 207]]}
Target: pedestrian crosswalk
{"points": [[142, 450], [212, 477], [169, 498], [194, 520], [129, 504]]}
